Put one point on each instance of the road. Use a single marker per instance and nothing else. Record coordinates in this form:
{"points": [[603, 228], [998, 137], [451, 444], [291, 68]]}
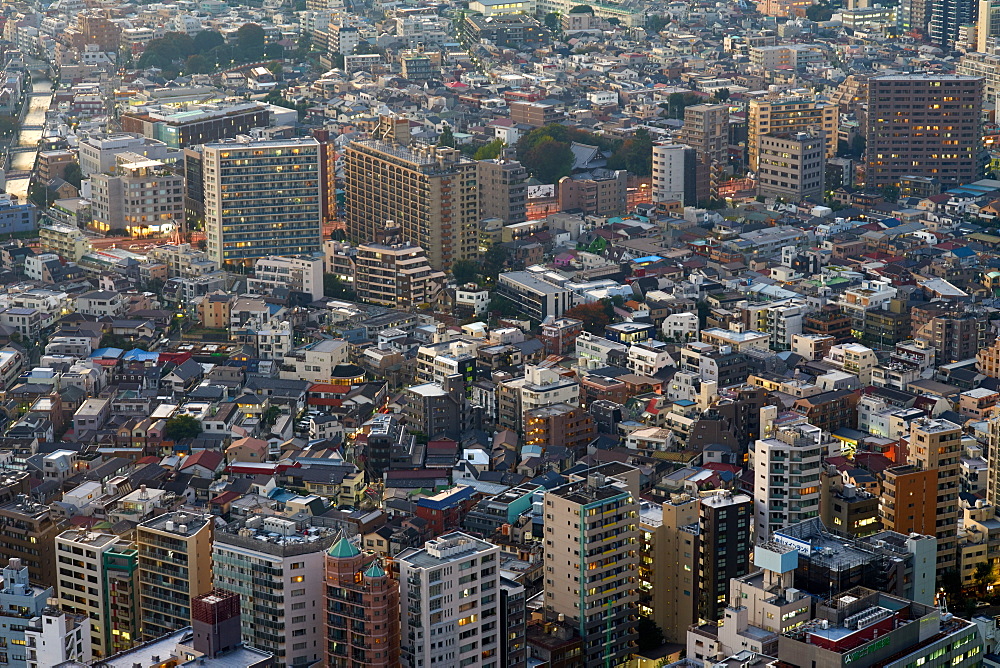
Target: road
{"points": [[28, 136]]}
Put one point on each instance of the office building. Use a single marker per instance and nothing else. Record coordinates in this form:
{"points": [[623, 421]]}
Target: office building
{"points": [[398, 275], [140, 197], [302, 274], [600, 192], [30, 533], [83, 587], [449, 593], [262, 198], [668, 564], [706, 129], [786, 466], [533, 296], [503, 190], [724, 527], [790, 116], [428, 191], [864, 628], [175, 566], [791, 167], [200, 124], [276, 568], [947, 19], [362, 613], [591, 561], [904, 112], [674, 174]]}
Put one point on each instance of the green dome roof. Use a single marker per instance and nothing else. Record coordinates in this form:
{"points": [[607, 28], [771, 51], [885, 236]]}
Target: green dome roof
{"points": [[375, 571], [344, 549]]}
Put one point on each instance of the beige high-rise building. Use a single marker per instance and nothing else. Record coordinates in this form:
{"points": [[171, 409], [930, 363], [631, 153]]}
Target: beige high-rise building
{"points": [[668, 565], [141, 197], [175, 566], [706, 129], [428, 191], [790, 166], [790, 115], [82, 577], [592, 541], [397, 275], [503, 190], [937, 445]]}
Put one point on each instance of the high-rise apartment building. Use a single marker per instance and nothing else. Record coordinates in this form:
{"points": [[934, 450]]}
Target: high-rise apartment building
{"points": [[724, 524], [452, 577], [362, 614], [706, 129], [924, 125], [427, 191], [591, 563], [175, 566], [786, 465], [84, 588], [30, 533], [790, 115], [503, 190], [275, 565], [954, 333], [262, 197], [947, 18], [936, 445], [674, 174], [141, 197], [914, 15], [668, 565], [20, 602], [121, 592], [791, 166], [987, 25]]}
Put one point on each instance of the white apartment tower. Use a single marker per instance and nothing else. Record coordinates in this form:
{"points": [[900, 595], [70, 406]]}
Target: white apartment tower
{"points": [[450, 603]]}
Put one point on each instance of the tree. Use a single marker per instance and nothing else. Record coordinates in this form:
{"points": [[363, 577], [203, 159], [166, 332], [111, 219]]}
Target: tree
{"points": [[114, 341], [593, 315], [650, 635], [270, 416], [656, 23], [250, 42], [635, 154], [493, 262], [181, 428], [678, 102], [722, 94], [446, 138], [582, 9], [490, 151], [465, 271], [819, 12], [503, 307], [276, 69], [549, 160], [207, 40], [337, 60], [551, 21], [168, 51], [198, 64], [335, 288], [73, 175]]}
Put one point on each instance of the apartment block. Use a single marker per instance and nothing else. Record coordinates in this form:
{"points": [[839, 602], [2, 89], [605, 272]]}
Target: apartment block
{"points": [[725, 521], [30, 536], [790, 116], [674, 174], [262, 198], [668, 564], [452, 577], [276, 567], [791, 166], [398, 275], [302, 274], [503, 190], [83, 587], [904, 114], [429, 192], [99, 153], [936, 445], [362, 615], [786, 465], [140, 197], [175, 566], [591, 560]]}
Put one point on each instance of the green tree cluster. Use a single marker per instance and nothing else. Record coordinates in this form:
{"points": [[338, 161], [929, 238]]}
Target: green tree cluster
{"points": [[678, 102], [819, 12], [547, 152], [207, 50], [490, 151], [182, 427], [635, 154], [73, 175]]}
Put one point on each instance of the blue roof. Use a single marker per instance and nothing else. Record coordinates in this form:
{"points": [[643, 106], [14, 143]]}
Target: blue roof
{"points": [[648, 258], [963, 252], [891, 222], [107, 352], [140, 355], [447, 498]]}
